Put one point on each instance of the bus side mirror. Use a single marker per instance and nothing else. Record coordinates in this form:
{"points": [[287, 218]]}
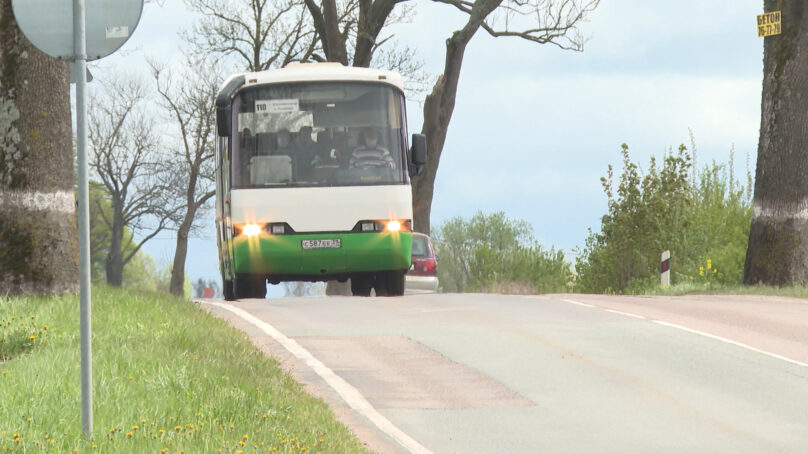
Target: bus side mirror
{"points": [[418, 154]]}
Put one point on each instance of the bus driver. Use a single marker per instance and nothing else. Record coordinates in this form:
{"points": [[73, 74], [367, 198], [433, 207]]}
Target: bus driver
{"points": [[370, 154]]}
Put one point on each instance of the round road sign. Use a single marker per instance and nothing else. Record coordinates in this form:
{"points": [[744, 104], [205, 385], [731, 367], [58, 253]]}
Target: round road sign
{"points": [[48, 24]]}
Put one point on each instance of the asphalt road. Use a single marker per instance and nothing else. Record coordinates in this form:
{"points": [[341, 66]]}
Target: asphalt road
{"points": [[564, 373]]}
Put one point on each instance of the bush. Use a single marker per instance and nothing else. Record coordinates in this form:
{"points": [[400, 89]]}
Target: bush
{"points": [[491, 253], [697, 216]]}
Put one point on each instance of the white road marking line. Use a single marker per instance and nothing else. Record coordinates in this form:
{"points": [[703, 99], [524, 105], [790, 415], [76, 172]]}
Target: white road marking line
{"points": [[700, 333], [578, 304], [626, 314], [732, 342], [349, 394]]}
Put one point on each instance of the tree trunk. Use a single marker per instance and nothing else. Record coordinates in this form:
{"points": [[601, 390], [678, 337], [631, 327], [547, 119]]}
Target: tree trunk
{"points": [[778, 240], [438, 109], [114, 264], [177, 286], [38, 238], [335, 42]]}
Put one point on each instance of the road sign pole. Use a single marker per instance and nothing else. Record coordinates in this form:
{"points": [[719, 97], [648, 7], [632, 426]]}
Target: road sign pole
{"points": [[80, 68]]}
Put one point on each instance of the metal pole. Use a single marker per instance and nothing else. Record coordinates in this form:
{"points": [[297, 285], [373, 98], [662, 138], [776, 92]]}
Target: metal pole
{"points": [[80, 66]]}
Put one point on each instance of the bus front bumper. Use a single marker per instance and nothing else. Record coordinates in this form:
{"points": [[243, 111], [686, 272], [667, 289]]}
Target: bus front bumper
{"points": [[285, 257]]}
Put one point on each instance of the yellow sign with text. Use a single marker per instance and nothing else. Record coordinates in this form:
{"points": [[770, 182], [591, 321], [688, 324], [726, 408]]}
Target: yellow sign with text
{"points": [[769, 24]]}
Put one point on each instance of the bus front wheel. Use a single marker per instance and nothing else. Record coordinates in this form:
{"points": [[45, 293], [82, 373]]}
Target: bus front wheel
{"points": [[250, 286], [390, 283], [227, 290], [362, 285]]}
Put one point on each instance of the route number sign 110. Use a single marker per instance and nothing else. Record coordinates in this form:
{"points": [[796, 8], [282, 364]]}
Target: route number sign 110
{"points": [[769, 24]]}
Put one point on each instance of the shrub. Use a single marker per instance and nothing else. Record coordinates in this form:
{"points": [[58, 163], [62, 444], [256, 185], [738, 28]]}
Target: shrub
{"points": [[698, 215]]}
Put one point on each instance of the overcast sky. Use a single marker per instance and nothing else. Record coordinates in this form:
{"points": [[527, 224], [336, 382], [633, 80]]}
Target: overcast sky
{"points": [[535, 127]]}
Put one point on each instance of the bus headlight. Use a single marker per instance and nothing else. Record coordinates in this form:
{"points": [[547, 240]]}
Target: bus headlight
{"points": [[387, 225], [247, 229], [251, 230]]}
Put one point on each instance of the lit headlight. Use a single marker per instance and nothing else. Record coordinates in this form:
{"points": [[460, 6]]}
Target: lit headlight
{"points": [[251, 230], [393, 226]]}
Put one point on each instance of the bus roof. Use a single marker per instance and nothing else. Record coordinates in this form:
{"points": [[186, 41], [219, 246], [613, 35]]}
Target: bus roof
{"points": [[308, 72]]}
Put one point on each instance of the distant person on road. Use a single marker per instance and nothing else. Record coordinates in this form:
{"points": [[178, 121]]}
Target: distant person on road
{"points": [[370, 154]]}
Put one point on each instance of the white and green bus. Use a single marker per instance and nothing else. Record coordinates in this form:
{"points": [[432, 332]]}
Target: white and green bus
{"points": [[313, 173]]}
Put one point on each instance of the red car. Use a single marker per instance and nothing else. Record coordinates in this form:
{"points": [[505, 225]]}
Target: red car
{"points": [[423, 274]]}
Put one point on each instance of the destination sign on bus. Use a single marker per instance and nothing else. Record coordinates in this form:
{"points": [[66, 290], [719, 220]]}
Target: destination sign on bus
{"points": [[277, 106]]}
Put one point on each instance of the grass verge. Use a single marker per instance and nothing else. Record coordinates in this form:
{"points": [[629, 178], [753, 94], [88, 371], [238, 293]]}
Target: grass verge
{"points": [[701, 289], [167, 378]]}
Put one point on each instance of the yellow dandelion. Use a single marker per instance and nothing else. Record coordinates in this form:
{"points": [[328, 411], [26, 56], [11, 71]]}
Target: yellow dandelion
{"points": [[28, 419], [241, 443], [164, 450], [178, 428], [260, 443], [245, 436], [135, 427], [5, 372], [129, 434], [715, 270], [709, 264], [143, 421], [95, 446], [32, 337], [161, 431], [113, 430], [45, 327], [16, 435]]}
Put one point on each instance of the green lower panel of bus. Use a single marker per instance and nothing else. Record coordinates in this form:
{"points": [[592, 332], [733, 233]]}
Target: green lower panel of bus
{"points": [[322, 254]]}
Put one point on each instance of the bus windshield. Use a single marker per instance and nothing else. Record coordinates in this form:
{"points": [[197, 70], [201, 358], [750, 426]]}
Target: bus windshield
{"points": [[318, 134]]}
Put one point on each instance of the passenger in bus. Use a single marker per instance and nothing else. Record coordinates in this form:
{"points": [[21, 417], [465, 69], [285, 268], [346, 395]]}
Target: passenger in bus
{"points": [[305, 149], [370, 154], [285, 144]]}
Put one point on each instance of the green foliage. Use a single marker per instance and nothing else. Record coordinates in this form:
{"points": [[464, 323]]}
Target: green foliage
{"points": [[141, 272], [698, 216], [491, 253]]}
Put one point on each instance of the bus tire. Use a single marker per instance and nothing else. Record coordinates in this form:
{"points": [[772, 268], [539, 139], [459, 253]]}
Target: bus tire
{"points": [[250, 286], [362, 285], [227, 290], [390, 283]]}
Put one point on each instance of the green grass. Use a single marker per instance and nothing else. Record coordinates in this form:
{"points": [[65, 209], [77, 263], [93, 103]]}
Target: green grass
{"points": [[167, 377], [690, 288]]}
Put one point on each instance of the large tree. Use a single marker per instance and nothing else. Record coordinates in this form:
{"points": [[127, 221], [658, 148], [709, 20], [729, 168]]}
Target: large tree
{"points": [[187, 100], [38, 248], [126, 158], [778, 240]]}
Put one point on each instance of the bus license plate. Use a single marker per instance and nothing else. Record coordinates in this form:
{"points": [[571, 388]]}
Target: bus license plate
{"points": [[329, 243]]}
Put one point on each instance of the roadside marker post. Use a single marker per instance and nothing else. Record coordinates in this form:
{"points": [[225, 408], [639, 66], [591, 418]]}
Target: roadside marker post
{"points": [[79, 31], [665, 270]]}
